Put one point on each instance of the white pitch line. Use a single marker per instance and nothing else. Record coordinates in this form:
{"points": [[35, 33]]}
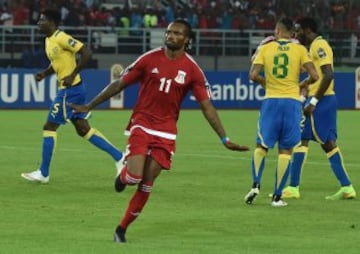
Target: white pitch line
{"points": [[202, 155]]}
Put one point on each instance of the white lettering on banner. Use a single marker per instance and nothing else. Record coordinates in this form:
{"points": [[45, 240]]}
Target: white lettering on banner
{"points": [[53, 87], [32, 87], [237, 91], [5, 95], [32, 91]]}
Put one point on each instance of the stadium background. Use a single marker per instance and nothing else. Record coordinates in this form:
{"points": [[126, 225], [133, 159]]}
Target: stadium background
{"points": [[198, 206], [226, 34]]}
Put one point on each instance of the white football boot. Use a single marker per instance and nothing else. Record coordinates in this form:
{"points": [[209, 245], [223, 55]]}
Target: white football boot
{"points": [[36, 176]]}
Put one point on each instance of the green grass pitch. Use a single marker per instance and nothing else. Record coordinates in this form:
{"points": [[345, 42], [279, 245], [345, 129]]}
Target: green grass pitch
{"points": [[197, 207]]}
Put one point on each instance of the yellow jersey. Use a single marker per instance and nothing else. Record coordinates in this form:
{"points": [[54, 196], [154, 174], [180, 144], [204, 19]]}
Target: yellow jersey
{"points": [[321, 54], [282, 61], [61, 50]]}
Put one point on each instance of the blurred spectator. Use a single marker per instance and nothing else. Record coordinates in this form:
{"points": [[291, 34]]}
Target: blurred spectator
{"points": [[192, 17], [124, 21], [170, 13], [112, 18], [36, 7], [72, 18], [6, 18], [162, 23], [150, 17], [203, 19], [200, 4], [250, 14], [20, 13], [90, 15], [338, 12], [136, 20], [64, 11], [227, 18]]}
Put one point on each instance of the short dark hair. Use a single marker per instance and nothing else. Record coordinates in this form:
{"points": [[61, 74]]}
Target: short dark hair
{"points": [[309, 23], [287, 23], [52, 15]]}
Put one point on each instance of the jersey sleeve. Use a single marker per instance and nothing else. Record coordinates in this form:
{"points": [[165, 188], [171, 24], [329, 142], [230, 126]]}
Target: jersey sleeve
{"points": [[305, 56], [267, 40], [259, 56], [263, 42], [201, 87], [69, 43], [322, 52], [134, 72]]}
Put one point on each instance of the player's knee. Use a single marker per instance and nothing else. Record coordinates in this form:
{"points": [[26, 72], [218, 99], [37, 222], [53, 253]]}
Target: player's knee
{"points": [[82, 127], [50, 126], [82, 131], [261, 150], [329, 146]]}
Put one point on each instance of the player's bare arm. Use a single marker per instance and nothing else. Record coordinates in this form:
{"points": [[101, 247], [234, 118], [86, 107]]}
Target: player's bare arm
{"points": [[313, 75], [109, 91], [213, 119], [328, 76], [255, 76], [85, 55], [48, 71]]}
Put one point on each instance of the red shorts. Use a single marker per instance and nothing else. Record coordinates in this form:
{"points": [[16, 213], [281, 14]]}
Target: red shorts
{"points": [[160, 149]]}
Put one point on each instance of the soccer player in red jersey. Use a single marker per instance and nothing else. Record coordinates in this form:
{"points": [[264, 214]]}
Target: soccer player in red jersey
{"points": [[166, 74]]}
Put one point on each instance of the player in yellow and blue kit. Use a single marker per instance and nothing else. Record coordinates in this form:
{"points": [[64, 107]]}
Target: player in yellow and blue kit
{"points": [[320, 111], [280, 113], [61, 49]]}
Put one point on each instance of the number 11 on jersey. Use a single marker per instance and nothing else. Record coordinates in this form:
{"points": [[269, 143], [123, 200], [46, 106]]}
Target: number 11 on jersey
{"points": [[165, 85]]}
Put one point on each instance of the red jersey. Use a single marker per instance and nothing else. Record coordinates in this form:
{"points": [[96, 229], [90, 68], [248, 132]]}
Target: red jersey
{"points": [[164, 84]]}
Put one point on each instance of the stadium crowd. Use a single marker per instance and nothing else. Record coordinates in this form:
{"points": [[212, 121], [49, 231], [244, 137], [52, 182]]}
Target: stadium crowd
{"points": [[202, 14]]}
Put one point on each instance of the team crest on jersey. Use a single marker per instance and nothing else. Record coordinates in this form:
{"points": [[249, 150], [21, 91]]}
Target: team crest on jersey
{"points": [[321, 53], [180, 78], [72, 42]]}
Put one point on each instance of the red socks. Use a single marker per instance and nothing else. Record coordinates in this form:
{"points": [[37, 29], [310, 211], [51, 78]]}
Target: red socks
{"points": [[129, 178], [136, 204]]}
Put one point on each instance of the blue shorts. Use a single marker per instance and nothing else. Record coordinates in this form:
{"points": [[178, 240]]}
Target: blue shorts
{"points": [[279, 121], [321, 126], [60, 112]]}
